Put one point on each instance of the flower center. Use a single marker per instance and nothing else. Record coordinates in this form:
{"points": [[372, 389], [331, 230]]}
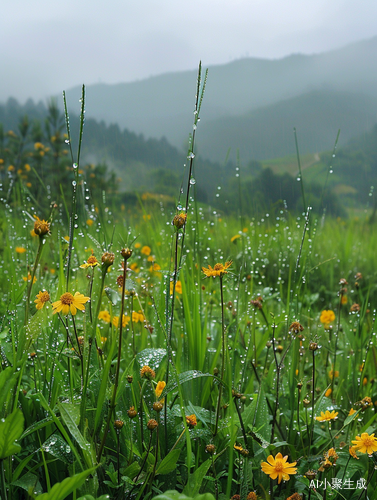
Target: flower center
{"points": [[218, 267], [279, 467], [66, 299], [44, 297], [92, 260], [368, 441]]}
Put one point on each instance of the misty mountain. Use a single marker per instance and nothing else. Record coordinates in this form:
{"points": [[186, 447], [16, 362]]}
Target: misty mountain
{"points": [[162, 106], [268, 132]]}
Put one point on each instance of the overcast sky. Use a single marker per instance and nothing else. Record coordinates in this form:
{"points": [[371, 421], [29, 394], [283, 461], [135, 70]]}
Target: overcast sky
{"points": [[48, 46]]}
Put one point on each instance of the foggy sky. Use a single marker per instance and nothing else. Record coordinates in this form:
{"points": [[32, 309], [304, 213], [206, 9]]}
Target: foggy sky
{"points": [[49, 46]]}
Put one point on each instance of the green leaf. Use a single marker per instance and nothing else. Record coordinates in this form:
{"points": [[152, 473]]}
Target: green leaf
{"points": [[182, 378], [10, 430], [60, 491], [69, 415], [175, 495], [151, 357], [29, 482], [8, 380], [169, 462], [195, 480], [56, 446]]}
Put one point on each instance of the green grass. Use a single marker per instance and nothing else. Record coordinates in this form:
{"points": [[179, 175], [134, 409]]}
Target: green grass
{"points": [[81, 420]]}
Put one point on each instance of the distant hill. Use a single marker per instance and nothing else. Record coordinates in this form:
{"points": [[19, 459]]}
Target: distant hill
{"points": [[142, 164], [163, 105], [268, 132]]}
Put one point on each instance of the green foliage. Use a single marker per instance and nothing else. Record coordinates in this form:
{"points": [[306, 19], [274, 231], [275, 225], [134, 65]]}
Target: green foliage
{"points": [[10, 431], [175, 495]]}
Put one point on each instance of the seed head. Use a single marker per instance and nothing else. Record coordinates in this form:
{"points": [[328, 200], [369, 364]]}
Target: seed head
{"points": [[132, 412], [158, 406], [180, 220], [118, 424], [126, 253], [108, 259], [152, 424], [211, 449]]}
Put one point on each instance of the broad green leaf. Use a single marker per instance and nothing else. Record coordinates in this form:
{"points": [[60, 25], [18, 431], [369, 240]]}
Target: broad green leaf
{"points": [[195, 480], [60, 491], [56, 446], [8, 380], [29, 482], [10, 430], [151, 357], [169, 462]]}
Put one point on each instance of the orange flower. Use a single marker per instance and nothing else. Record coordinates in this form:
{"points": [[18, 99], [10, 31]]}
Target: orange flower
{"points": [[191, 420], [327, 317]]}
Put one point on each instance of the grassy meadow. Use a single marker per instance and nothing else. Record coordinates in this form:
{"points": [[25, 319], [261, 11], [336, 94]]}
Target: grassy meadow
{"points": [[151, 351]]}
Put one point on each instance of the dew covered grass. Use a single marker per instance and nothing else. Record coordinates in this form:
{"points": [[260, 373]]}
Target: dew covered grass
{"points": [[155, 352]]}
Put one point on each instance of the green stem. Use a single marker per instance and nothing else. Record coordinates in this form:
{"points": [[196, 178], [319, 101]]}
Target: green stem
{"points": [[116, 382], [37, 259], [223, 355], [3, 487]]}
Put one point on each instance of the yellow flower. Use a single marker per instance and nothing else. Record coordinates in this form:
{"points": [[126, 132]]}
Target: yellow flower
{"points": [[218, 270], [41, 227], [28, 278], [238, 447], [137, 316], [20, 250], [147, 372], [180, 220], [125, 321], [352, 452], [91, 262], [154, 268], [327, 317], [90, 222], [134, 267], [145, 250], [278, 467], [178, 287], [333, 374], [235, 238], [105, 316], [351, 412], [328, 392], [137, 245], [41, 299], [365, 443], [159, 388], [70, 303], [327, 416], [191, 420]]}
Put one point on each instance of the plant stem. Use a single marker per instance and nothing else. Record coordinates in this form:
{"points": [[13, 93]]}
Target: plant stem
{"points": [[223, 355], [115, 389]]}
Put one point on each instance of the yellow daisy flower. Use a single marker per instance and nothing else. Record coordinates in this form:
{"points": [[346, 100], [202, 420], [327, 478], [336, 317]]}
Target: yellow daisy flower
{"points": [[218, 269], [41, 299], [278, 467], [70, 303], [327, 416], [365, 443]]}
